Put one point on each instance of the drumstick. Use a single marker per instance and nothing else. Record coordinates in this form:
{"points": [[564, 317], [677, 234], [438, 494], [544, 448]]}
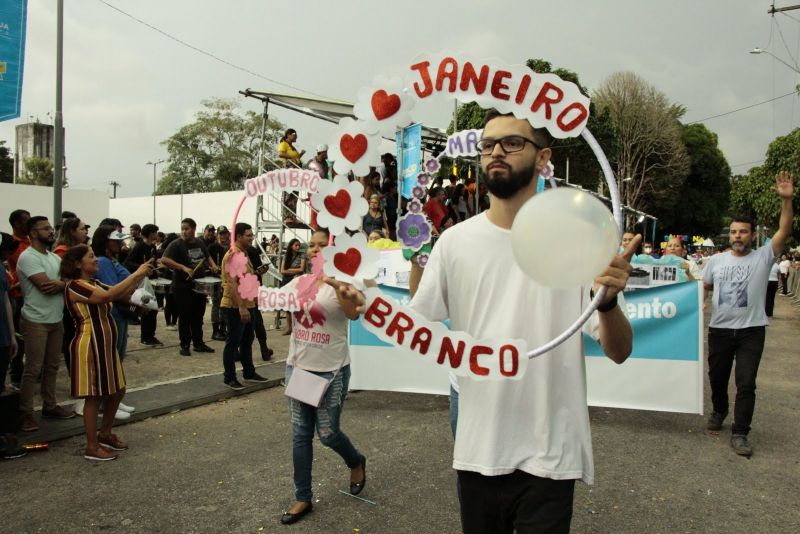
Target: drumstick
{"points": [[194, 271]]}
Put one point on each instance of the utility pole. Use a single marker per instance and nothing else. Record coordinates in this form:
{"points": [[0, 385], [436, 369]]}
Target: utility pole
{"points": [[58, 142], [115, 184]]}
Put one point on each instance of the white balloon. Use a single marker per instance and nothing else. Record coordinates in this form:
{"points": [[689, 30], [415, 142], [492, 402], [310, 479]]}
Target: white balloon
{"points": [[564, 238]]}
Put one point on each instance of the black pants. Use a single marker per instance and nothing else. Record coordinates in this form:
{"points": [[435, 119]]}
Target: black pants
{"points": [[784, 278], [744, 345], [518, 502], [149, 321], [258, 326], [772, 288], [191, 308], [170, 312], [5, 359], [17, 365]]}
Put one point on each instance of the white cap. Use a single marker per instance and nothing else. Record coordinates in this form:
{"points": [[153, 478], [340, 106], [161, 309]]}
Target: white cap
{"points": [[322, 148], [117, 236]]}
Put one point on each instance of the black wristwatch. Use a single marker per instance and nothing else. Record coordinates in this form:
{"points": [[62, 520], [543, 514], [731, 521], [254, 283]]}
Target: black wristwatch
{"points": [[608, 306]]}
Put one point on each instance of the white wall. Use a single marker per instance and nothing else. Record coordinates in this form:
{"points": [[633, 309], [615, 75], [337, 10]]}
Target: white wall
{"points": [[204, 208], [90, 206]]}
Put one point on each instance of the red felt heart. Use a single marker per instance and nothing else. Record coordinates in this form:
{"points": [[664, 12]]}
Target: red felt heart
{"points": [[384, 105], [339, 204], [347, 262], [352, 148]]}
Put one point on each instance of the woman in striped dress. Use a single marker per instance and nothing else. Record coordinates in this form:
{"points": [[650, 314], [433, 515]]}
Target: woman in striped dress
{"points": [[95, 370]]}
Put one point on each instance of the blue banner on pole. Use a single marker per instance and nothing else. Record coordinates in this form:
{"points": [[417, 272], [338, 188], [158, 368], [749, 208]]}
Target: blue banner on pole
{"points": [[412, 156], [13, 14]]}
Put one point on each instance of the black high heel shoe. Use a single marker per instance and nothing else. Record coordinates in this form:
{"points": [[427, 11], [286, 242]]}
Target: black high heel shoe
{"points": [[357, 487], [288, 519]]}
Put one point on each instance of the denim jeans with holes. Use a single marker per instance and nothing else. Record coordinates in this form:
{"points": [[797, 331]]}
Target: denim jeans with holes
{"points": [[325, 419]]}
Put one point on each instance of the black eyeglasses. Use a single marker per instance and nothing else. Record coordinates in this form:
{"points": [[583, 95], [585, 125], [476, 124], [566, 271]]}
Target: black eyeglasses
{"points": [[43, 229], [510, 144]]}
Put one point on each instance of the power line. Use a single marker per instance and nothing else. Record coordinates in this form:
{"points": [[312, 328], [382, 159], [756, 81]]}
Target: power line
{"points": [[785, 45], [748, 163], [744, 108], [208, 54]]}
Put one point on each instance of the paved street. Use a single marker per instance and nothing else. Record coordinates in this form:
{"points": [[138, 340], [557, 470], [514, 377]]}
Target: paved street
{"points": [[226, 467]]}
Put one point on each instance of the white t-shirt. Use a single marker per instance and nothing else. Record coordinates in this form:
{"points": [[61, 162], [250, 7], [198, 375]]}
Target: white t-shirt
{"points": [[785, 266], [773, 272], [540, 423], [38, 307], [319, 333], [740, 288]]}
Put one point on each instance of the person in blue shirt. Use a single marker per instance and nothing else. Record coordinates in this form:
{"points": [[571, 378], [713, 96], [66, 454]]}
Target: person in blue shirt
{"points": [[107, 243]]}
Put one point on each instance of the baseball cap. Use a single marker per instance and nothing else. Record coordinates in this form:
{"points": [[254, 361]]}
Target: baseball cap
{"points": [[322, 148], [210, 227], [117, 236], [222, 229]]}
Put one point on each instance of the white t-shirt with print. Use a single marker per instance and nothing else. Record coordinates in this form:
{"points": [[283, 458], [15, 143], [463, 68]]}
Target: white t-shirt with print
{"points": [[540, 423], [319, 332], [740, 288], [785, 264]]}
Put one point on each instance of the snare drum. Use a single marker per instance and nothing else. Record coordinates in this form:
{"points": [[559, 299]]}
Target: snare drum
{"points": [[205, 285], [161, 286]]}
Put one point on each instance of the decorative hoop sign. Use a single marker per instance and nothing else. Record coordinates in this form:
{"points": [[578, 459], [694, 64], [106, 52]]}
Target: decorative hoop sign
{"points": [[545, 100]]}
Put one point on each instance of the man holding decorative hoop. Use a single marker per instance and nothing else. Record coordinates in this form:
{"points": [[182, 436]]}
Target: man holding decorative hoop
{"points": [[520, 445]]}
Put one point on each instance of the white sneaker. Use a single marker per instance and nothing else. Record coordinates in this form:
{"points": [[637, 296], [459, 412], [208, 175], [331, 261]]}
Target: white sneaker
{"points": [[78, 406], [122, 415], [172, 327], [126, 408]]}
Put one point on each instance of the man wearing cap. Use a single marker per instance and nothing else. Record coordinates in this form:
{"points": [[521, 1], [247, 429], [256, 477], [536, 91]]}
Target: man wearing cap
{"points": [[319, 162], [217, 252], [210, 235], [142, 252], [41, 315], [187, 257]]}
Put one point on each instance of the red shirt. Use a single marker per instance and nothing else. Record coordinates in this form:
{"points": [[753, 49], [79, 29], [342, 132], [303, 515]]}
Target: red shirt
{"points": [[24, 243], [435, 211]]}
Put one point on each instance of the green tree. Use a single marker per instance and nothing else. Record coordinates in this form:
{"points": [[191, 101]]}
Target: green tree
{"points": [[6, 164], [752, 193], [38, 171], [650, 161], [219, 150], [705, 194]]}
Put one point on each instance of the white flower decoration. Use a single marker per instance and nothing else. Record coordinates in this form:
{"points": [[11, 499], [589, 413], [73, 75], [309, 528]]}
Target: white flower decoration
{"points": [[351, 260], [384, 105], [353, 148], [340, 204]]}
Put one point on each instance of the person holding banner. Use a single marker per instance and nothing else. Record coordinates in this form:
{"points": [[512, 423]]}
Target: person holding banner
{"points": [[519, 444], [675, 247], [319, 345], [739, 280]]}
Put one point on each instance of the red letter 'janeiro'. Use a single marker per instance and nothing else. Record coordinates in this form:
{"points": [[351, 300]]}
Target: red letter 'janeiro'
{"points": [[426, 79]]}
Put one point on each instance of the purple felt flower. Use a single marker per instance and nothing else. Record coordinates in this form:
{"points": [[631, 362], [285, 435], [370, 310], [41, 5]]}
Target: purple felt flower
{"points": [[546, 172], [423, 179], [414, 206], [413, 230], [418, 192], [432, 165], [422, 260]]}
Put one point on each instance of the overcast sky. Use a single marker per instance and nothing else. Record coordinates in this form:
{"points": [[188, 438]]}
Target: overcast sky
{"points": [[127, 87]]}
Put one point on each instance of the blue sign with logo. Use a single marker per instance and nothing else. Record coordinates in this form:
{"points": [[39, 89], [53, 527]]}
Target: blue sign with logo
{"points": [[666, 323], [13, 14], [412, 156]]}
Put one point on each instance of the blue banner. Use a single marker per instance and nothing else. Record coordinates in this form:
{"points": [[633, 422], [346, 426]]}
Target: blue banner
{"points": [[13, 14], [412, 156], [666, 323]]}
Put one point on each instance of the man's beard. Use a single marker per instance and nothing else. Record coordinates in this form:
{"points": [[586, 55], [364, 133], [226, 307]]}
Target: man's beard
{"points": [[507, 186], [741, 246]]}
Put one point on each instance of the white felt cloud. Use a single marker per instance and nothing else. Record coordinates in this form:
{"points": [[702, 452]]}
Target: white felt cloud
{"points": [[340, 204], [351, 260], [353, 148], [384, 105]]}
